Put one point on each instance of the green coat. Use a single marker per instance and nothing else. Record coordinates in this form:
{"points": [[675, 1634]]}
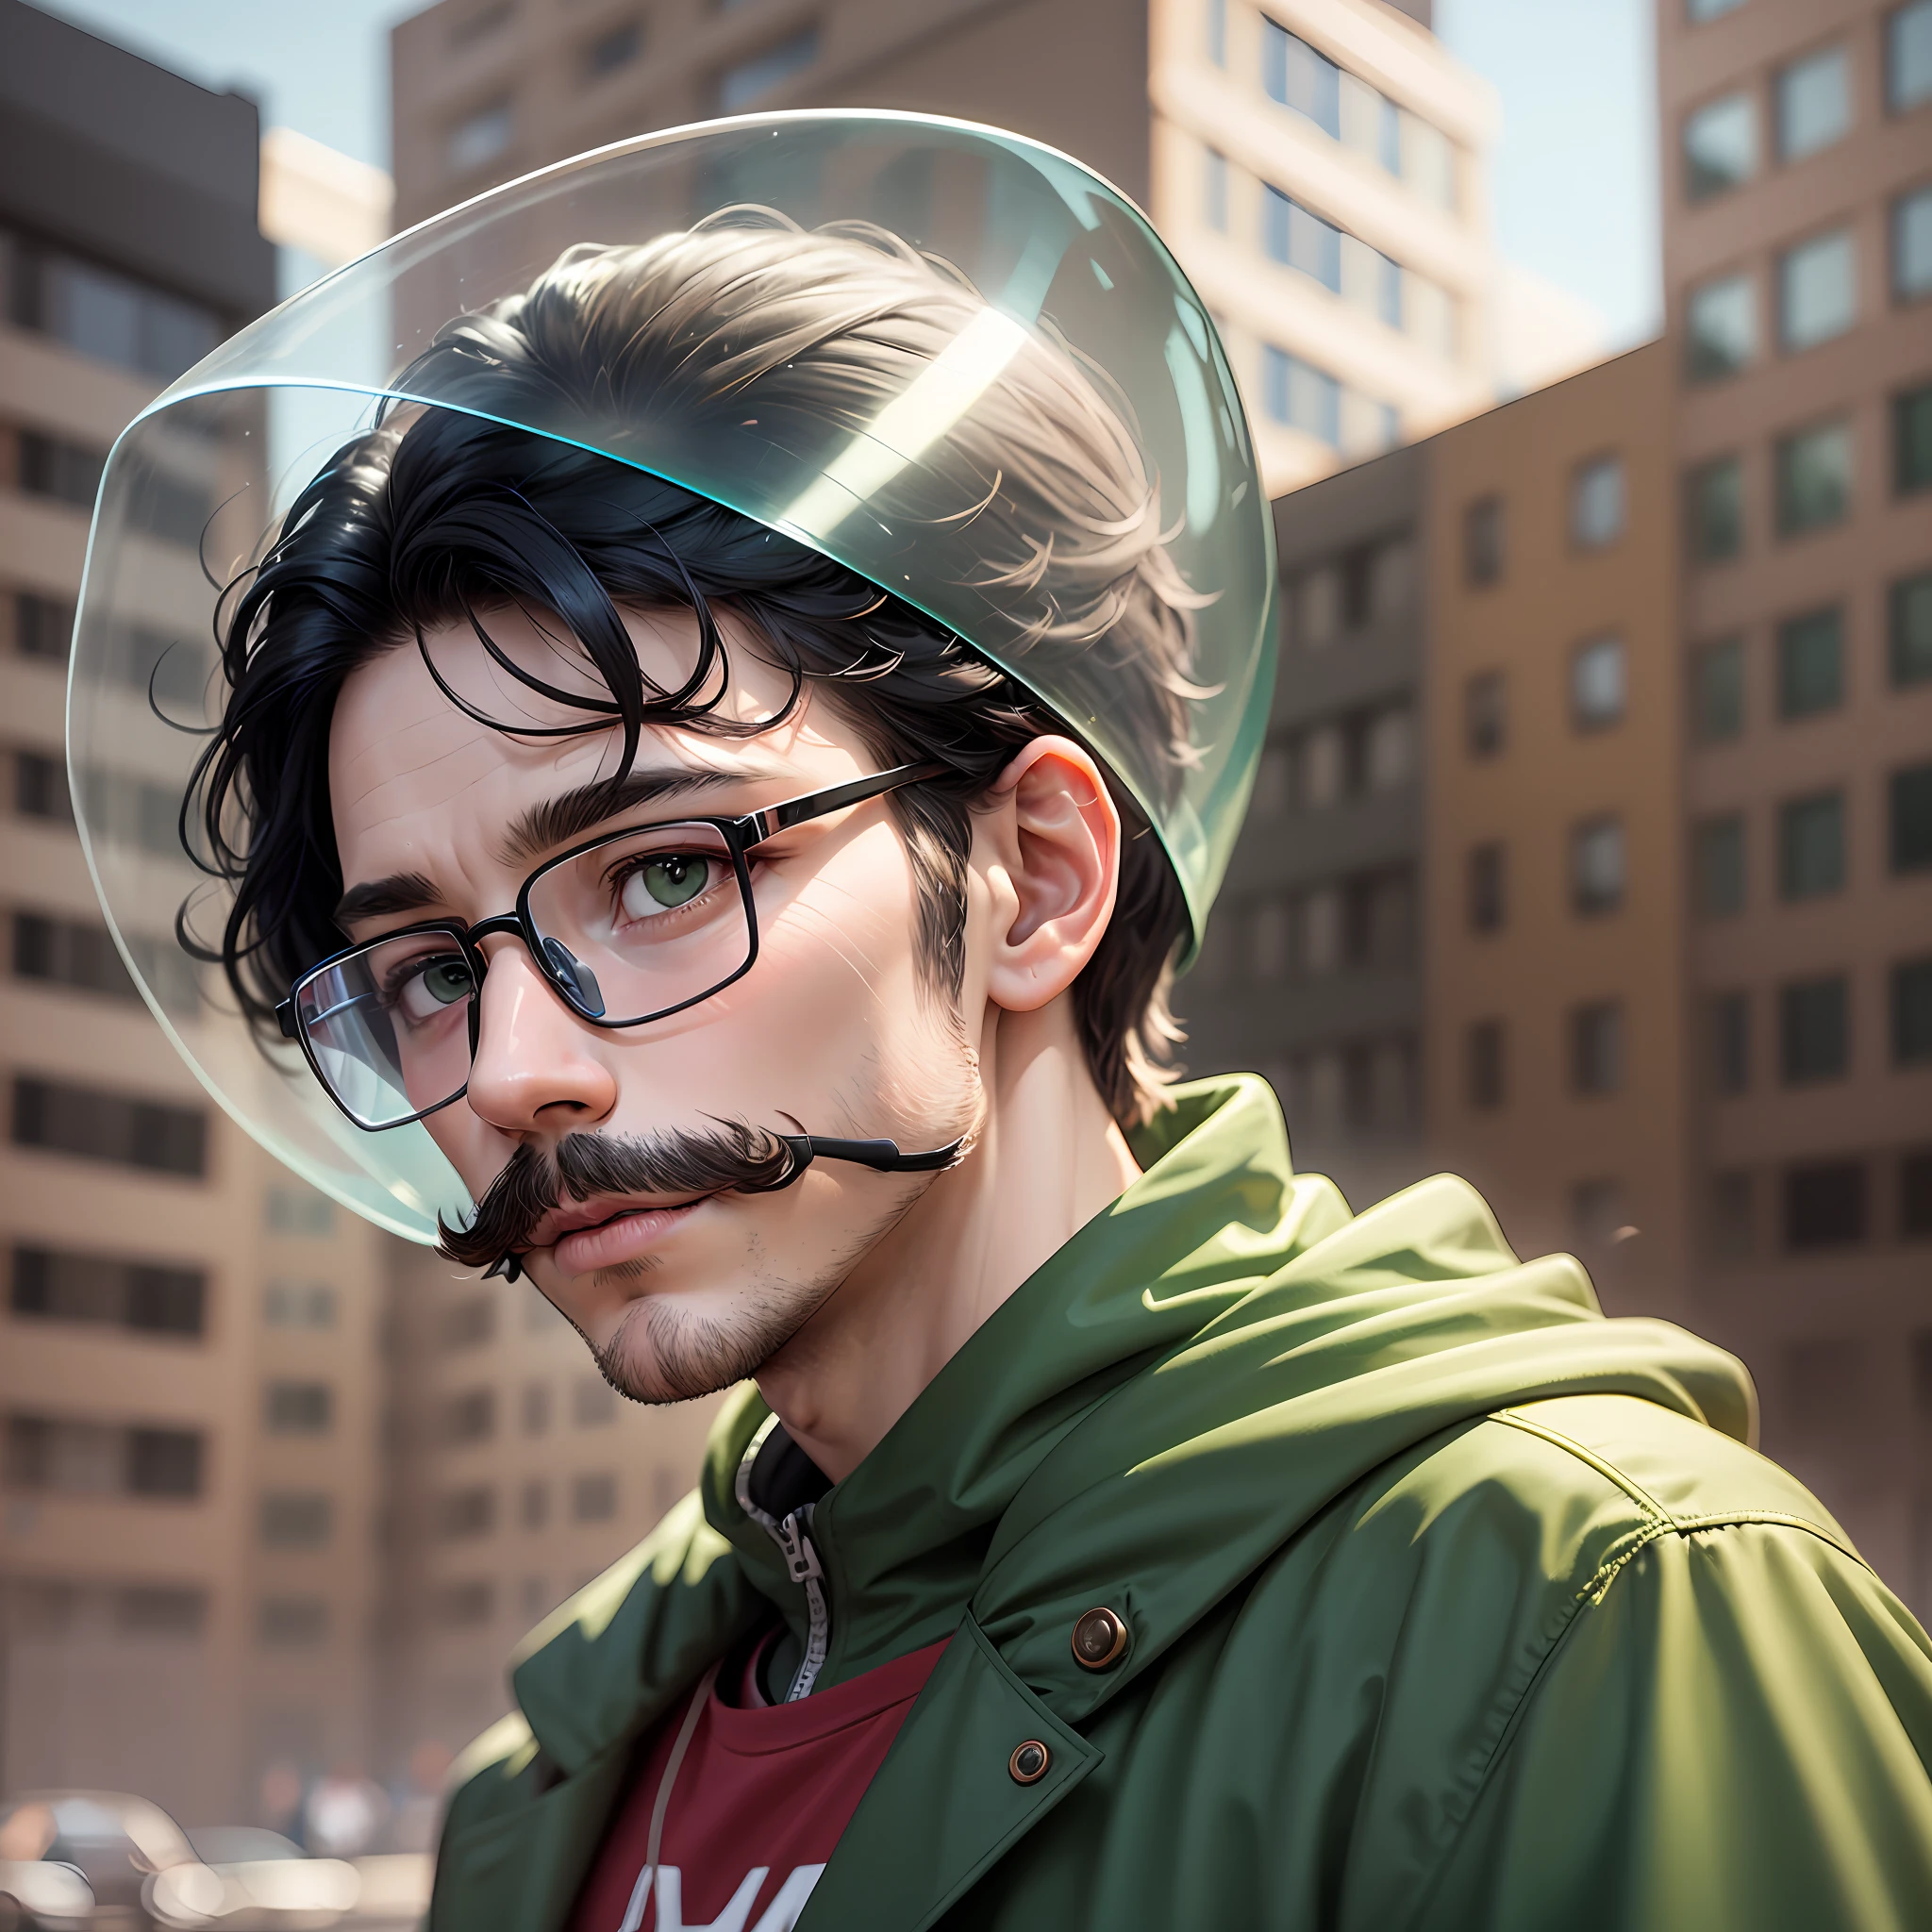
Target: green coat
{"points": [[1451, 1603]]}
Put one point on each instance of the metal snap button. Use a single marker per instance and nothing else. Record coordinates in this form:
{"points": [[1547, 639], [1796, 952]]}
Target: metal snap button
{"points": [[1100, 1638], [1029, 1761]]}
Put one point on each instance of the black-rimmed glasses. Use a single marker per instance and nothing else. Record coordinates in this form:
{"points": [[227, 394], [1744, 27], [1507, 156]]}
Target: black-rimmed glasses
{"points": [[630, 927]]}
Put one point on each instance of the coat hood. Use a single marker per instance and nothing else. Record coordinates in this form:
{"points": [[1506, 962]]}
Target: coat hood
{"points": [[1200, 1371]]}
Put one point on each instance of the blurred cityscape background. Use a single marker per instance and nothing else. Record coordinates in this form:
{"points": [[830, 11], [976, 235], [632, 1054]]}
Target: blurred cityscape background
{"points": [[1591, 854]]}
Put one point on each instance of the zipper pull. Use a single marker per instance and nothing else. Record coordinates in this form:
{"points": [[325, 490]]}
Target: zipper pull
{"points": [[801, 1558]]}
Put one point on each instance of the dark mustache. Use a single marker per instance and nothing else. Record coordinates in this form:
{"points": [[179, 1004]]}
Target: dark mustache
{"points": [[709, 1161]]}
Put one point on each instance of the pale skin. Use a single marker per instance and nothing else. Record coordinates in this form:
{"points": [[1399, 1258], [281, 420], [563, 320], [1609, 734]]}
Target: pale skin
{"points": [[863, 1285]]}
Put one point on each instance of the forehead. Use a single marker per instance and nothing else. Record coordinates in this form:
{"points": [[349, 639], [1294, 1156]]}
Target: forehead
{"points": [[408, 765]]}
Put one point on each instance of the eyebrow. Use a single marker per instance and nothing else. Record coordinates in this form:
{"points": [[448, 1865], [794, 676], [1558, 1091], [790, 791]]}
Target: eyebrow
{"points": [[551, 822]]}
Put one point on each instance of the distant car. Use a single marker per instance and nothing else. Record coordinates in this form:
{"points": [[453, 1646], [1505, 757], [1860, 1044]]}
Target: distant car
{"points": [[82, 1859]]}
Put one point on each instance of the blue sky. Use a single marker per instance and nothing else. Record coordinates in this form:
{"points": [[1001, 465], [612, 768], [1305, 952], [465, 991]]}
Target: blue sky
{"points": [[1574, 179]]}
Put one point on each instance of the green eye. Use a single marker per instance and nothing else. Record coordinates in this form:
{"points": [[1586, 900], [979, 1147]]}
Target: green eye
{"points": [[447, 981], [660, 884]]}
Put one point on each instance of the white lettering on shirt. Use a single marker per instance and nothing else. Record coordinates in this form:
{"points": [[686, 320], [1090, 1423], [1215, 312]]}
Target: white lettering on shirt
{"points": [[781, 1915]]}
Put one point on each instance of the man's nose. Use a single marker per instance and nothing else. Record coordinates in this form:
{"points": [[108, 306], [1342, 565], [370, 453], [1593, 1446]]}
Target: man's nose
{"points": [[537, 1064]]}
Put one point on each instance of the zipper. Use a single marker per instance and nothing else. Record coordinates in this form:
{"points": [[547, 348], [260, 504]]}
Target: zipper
{"points": [[793, 1533]]}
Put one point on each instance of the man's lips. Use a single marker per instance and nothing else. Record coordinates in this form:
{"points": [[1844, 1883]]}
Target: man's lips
{"points": [[595, 1234]]}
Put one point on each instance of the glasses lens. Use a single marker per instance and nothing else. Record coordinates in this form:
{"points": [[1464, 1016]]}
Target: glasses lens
{"points": [[645, 921], [389, 1025]]}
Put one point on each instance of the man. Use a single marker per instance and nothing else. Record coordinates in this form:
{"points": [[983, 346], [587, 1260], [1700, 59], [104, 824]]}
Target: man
{"points": [[1106, 1528]]}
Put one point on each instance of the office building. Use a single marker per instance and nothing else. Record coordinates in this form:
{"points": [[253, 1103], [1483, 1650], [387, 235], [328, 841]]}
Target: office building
{"points": [[187, 1339], [1797, 232], [1318, 166]]}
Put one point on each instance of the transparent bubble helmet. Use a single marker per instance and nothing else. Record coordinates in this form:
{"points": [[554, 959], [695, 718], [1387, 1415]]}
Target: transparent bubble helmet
{"points": [[1050, 269]]}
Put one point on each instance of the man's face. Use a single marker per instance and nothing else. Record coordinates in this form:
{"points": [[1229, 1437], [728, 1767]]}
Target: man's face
{"points": [[836, 1027]]}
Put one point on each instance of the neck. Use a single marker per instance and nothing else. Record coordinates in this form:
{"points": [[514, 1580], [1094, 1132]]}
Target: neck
{"points": [[1048, 1159]]}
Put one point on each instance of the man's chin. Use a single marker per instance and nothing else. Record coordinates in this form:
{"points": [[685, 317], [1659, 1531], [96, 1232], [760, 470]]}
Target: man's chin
{"points": [[664, 1350]]}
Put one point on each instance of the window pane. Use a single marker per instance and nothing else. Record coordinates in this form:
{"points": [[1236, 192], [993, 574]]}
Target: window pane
{"points": [[1911, 440], [1482, 541], [1811, 845], [1298, 236], [1814, 104], [741, 85], [1824, 1206], [1817, 296], [1698, 11], [1810, 663], [1299, 77], [1597, 866], [480, 138], [1814, 1030], [1915, 1194], [1483, 1066], [1714, 509], [1428, 160], [1911, 815], [1301, 395], [1717, 691], [1911, 246], [617, 47], [1596, 503], [1909, 628], [1215, 195], [1597, 680], [1716, 860], [1487, 888], [1217, 33], [1909, 56], [1486, 720], [1911, 1012], [1722, 321], [1814, 478], [1596, 1048], [1730, 1042], [1720, 146]]}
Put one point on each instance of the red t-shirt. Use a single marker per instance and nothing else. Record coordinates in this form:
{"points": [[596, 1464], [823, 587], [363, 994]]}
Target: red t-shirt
{"points": [[760, 1798]]}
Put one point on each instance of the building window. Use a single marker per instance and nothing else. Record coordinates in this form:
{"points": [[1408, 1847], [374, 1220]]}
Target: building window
{"points": [[1730, 1042], [1814, 1019], [299, 1210], [1597, 866], [1217, 33], [1912, 244], [298, 1408], [1911, 440], [1596, 503], [1721, 319], [1720, 146], [294, 1623], [40, 788], [60, 471], [593, 1403], [1909, 56], [593, 1498], [1484, 1068], [1909, 630], [1300, 395], [1296, 235], [110, 317], [469, 1323], [1915, 1194], [1714, 510], [469, 1417], [1911, 1012], [465, 1512], [1698, 11], [1909, 817], [1824, 1205], [480, 138], [1717, 865], [1486, 714], [1482, 543], [1214, 195], [1488, 887], [1598, 678], [1596, 1048], [535, 1405], [1299, 77], [1810, 663], [1811, 845], [739, 85], [613, 49], [296, 1519], [463, 1606], [94, 1126], [1384, 748], [1817, 290], [1814, 104], [1318, 607], [54, 1286], [1717, 691], [534, 1508], [1596, 1214], [101, 1458], [42, 626], [1814, 478], [299, 1304]]}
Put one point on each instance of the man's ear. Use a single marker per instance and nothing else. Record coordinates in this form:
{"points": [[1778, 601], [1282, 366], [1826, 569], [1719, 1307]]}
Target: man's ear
{"points": [[1051, 829]]}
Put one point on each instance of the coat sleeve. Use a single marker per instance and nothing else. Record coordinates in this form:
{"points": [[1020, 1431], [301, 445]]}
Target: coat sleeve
{"points": [[1735, 1732]]}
